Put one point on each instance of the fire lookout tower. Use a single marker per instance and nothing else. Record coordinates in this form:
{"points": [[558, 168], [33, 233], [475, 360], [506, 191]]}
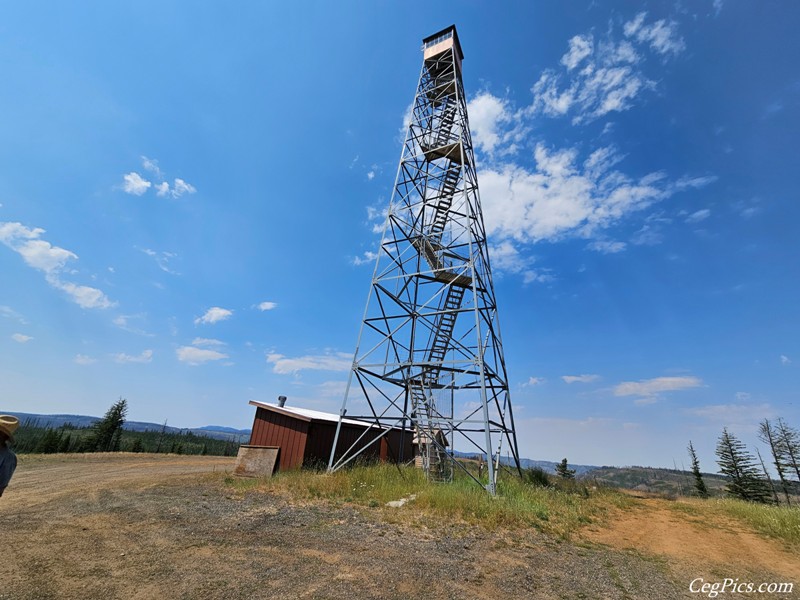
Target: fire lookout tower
{"points": [[429, 357]]}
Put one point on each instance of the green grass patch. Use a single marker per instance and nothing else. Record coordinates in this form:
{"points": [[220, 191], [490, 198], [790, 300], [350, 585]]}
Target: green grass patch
{"points": [[560, 509]]}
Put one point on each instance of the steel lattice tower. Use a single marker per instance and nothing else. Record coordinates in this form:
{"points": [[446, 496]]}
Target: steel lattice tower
{"points": [[429, 356]]}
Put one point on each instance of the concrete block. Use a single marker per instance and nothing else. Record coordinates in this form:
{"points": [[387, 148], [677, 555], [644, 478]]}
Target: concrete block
{"points": [[256, 461]]}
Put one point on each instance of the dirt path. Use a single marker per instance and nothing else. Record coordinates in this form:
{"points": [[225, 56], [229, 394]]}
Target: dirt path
{"points": [[144, 526], [658, 527]]}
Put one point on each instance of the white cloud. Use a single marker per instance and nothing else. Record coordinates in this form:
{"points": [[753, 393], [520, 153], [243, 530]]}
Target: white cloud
{"points": [[181, 187], [605, 76], [562, 196], [785, 360], [652, 387], [21, 338], [742, 415], [82, 359], [534, 381], [492, 123], [607, 246], [36, 252], [144, 357], [162, 259], [743, 396], [367, 258], [332, 361], [135, 184], [267, 305], [51, 260], [198, 341], [700, 215], [371, 175], [214, 315], [151, 164], [197, 356], [9, 313], [586, 378], [580, 47], [662, 36], [83, 295], [505, 257]]}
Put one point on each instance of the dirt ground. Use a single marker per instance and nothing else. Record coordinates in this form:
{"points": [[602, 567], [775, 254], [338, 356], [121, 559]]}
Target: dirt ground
{"points": [[145, 526]]}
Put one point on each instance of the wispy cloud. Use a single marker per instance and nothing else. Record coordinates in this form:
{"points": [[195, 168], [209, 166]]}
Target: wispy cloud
{"points": [[602, 76], [367, 258], [332, 361], [51, 260], [197, 356], [82, 359], [534, 381], [730, 415], [215, 314], [585, 378], [700, 215], [649, 389], [266, 305], [162, 259], [124, 323], [9, 313], [21, 338], [199, 341], [122, 358], [662, 35], [785, 360], [607, 246]]}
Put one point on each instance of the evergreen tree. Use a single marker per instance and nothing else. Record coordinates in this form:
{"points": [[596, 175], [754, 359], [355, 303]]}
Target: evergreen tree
{"points": [[789, 442], [137, 446], [699, 485], [738, 465], [770, 437], [767, 478], [66, 441], [108, 430], [49, 442], [563, 470]]}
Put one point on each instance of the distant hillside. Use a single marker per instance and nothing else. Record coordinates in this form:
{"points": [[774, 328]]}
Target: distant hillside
{"points": [[648, 479], [79, 421]]}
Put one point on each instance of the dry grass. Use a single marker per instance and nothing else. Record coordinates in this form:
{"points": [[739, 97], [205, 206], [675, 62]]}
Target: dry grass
{"points": [[557, 510]]}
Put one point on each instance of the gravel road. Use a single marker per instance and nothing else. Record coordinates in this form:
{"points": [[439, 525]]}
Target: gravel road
{"points": [[144, 526]]}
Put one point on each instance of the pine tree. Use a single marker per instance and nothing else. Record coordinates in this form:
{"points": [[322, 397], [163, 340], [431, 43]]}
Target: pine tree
{"points": [[771, 438], [108, 430], [65, 443], [563, 470], [789, 442], [738, 465], [137, 446], [767, 478], [49, 442], [699, 485]]}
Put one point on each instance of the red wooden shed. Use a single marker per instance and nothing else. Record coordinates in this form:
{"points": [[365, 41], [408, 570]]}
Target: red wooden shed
{"points": [[305, 436]]}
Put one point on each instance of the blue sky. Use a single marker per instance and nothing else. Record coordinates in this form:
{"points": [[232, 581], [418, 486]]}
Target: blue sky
{"points": [[189, 195]]}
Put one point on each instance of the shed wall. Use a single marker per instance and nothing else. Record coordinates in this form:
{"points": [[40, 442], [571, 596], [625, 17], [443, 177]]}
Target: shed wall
{"points": [[290, 434], [321, 435]]}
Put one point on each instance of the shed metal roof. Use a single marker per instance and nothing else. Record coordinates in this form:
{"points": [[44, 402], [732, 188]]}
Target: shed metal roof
{"points": [[306, 414]]}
